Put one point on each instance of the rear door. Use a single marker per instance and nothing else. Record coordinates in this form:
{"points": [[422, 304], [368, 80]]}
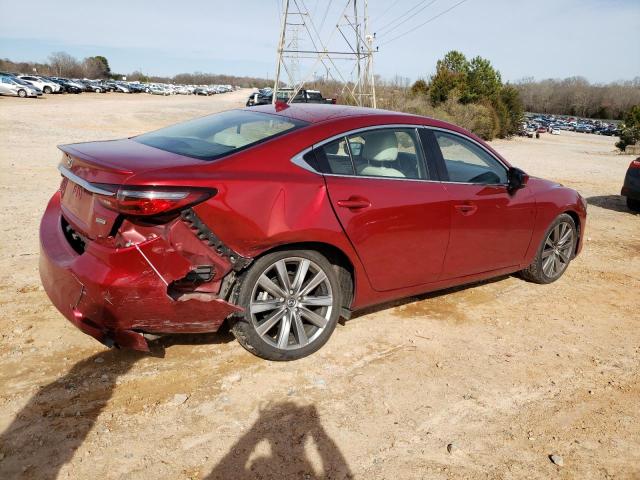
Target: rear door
{"points": [[491, 227], [394, 214]]}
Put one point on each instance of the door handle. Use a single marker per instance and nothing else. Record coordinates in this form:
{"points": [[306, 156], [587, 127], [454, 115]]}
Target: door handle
{"points": [[467, 208], [354, 203]]}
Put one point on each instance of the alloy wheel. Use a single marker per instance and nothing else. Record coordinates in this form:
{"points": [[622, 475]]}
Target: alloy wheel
{"points": [[291, 303], [557, 250]]}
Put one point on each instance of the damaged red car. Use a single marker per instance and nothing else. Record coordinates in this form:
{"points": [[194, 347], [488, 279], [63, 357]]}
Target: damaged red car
{"points": [[280, 220]]}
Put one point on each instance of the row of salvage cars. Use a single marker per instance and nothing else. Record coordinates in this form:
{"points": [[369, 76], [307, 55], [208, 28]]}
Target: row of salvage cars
{"points": [[35, 85]]}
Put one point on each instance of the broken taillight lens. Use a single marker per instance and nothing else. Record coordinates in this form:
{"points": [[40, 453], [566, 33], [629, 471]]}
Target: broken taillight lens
{"points": [[635, 163], [145, 201]]}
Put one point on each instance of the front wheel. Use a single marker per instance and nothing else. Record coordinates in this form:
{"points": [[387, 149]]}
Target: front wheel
{"points": [[47, 90], [22, 93], [555, 251], [292, 304]]}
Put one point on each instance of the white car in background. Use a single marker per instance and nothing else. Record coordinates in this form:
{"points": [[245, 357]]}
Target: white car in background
{"points": [[45, 85], [17, 88]]}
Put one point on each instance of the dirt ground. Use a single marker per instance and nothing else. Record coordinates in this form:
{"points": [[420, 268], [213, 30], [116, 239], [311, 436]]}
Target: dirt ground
{"points": [[505, 371]]}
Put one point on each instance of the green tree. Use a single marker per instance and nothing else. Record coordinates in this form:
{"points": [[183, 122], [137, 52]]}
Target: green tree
{"points": [[420, 87], [630, 128], [451, 77], [483, 81]]}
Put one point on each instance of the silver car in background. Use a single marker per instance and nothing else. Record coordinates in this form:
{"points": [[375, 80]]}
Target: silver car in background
{"points": [[18, 88], [46, 86]]}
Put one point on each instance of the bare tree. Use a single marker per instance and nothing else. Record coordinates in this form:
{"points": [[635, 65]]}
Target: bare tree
{"points": [[576, 96]]}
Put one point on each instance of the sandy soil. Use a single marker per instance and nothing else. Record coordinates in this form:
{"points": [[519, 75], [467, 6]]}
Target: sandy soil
{"points": [[506, 371]]}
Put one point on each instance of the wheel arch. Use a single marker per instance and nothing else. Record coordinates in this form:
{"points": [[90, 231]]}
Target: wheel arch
{"points": [[338, 258], [576, 219]]}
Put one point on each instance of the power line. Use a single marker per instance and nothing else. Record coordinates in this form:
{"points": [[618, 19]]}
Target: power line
{"points": [[408, 12], [410, 18], [393, 4], [424, 23], [324, 17]]}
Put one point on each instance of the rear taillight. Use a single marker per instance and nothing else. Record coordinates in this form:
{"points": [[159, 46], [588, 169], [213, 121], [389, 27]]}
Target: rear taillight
{"points": [[635, 163], [145, 201]]}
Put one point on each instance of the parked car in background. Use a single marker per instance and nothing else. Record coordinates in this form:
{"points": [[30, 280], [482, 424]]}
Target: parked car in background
{"points": [[67, 86], [13, 86], [158, 90], [265, 97], [43, 84], [183, 228], [583, 128], [93, 86], [631, 187]]}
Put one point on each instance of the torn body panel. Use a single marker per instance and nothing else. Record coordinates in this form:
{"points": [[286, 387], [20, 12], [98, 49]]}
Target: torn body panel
{"points": [[114, 293]]}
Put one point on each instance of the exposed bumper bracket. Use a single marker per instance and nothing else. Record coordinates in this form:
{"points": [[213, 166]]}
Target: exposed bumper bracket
{"points": [[207, 236]]}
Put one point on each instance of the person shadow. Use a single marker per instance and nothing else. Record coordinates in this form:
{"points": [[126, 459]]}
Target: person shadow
{"points": [[46, 433], [48, 430], [277, 446]]}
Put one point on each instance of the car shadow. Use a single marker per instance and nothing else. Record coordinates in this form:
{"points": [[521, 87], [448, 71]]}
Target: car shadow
{"points": [[617, 203], [426, 296], [48, 430], [279, 444]]}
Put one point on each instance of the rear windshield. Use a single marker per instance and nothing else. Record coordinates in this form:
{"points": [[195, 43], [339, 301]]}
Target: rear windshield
{"points": [[220, 134]]}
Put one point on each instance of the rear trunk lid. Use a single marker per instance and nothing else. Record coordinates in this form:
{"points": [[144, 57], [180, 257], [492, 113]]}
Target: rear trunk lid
{"points": [[94, 169]]}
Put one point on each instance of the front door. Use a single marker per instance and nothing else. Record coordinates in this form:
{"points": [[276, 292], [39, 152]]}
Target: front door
{"points": [[396, 218], [491, 227]]}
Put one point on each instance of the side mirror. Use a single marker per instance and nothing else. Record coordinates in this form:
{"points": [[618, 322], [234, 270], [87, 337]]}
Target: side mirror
{"points": [[517, 179]]}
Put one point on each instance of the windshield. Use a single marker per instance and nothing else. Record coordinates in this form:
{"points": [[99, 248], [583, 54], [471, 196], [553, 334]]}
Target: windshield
{"points": [[221, 134]]}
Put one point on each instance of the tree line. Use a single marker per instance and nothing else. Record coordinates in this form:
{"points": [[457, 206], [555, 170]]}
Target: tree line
{"points": [[576, 96], [61, 64]]}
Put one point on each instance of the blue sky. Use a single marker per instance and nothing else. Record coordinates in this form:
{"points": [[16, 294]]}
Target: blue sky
{"points": [[598, 39]]}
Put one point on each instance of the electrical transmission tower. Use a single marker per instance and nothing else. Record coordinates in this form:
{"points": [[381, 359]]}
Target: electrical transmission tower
{"points": [[346, 55]]}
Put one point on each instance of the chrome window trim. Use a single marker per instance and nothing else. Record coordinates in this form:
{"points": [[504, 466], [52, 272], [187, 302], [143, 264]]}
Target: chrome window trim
{"points": [[90, 187], [300, 162]]}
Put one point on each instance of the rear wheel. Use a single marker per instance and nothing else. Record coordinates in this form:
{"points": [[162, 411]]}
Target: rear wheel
{"points": [[555, 252], [633, 204], [22, 93], [292, 304]]}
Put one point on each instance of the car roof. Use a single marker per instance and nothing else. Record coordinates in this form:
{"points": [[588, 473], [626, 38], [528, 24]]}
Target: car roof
{"points": [[318, 112]]}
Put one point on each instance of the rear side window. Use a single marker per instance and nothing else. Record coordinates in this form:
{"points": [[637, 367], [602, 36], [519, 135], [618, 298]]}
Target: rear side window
{"points": [[333, 157], [386, 152], [468, 163], [218, 135]]}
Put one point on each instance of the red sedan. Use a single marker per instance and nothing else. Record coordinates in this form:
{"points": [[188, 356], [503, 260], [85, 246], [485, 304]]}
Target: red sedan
{"points": [[282, 219]]}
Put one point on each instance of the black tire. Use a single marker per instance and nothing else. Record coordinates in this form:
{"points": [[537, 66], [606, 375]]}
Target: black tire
{"points": [[633, 204], [536, 272], [244, 327], [22, 93], [47, 90]]}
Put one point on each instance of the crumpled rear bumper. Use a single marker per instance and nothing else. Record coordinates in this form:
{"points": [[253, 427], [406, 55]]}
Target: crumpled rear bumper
{"points": [[115, 294]]}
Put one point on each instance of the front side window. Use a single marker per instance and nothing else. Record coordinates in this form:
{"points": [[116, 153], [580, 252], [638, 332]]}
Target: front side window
{"points": [[218, 135], [385, 152], [468, 163]]}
